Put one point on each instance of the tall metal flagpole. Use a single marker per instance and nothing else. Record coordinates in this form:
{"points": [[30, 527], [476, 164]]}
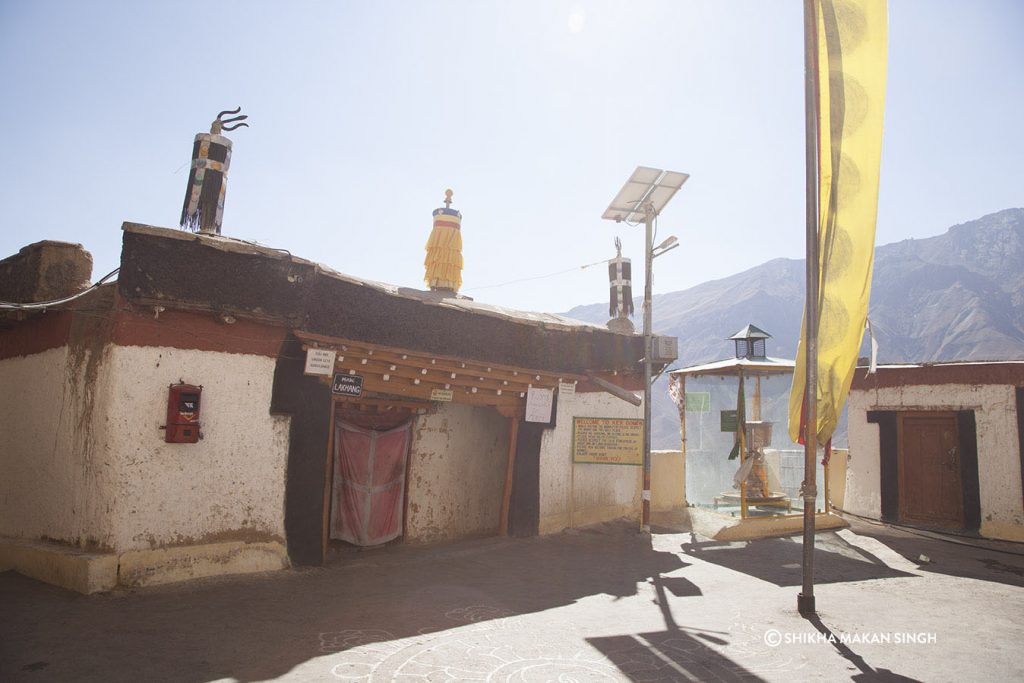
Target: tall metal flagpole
{"points": [[805, 599]]}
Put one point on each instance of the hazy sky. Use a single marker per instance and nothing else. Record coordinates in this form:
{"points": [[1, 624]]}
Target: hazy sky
{"points": [[534, 112]]}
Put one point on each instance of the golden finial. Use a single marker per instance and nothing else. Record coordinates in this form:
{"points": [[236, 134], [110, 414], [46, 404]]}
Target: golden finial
{"points": [[448, 199]]}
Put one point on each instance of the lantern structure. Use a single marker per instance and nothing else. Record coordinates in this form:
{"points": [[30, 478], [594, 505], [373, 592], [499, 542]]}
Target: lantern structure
{"points": [[751, 342]]}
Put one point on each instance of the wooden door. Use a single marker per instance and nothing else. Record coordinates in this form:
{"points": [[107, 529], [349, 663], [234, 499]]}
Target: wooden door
{"points": [[930, 486]]}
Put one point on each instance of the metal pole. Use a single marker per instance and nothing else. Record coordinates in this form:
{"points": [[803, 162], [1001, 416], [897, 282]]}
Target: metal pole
{"points": [[682, 430], [805, 599], [645, 505], [741, 433]]}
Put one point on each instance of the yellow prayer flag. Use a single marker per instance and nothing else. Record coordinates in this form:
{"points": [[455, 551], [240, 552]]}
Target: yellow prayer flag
{"points": [[852, 44]]}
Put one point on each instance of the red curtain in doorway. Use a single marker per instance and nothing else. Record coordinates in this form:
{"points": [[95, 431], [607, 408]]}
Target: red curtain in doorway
{"points": [[369, 483]]}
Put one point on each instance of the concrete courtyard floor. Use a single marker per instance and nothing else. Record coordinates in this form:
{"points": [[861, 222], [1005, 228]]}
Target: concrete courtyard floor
{"points": [[600, 604]]}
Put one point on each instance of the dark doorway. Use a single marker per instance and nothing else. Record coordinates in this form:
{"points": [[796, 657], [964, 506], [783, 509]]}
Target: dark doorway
{"points": [[930, 481]]}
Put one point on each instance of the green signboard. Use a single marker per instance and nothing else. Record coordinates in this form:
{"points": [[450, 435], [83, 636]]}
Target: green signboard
{"points": [[730, 421], [698, 401]]}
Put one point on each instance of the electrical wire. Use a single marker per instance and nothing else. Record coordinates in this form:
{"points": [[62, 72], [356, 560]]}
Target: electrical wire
{"points": [[536, 277], [43, 305]]}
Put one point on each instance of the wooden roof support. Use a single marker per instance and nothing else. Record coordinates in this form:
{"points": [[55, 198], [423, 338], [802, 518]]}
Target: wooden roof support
{"points": [[450, 364], [415, 375], [615, 390], [423, 391], [506, 497], [441, 378]]}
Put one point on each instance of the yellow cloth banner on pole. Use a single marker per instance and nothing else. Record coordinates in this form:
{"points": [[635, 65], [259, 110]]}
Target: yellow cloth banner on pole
{"points": [[852, 53]]}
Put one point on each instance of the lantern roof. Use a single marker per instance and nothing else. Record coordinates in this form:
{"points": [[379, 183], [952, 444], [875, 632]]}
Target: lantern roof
{"points": [[748, 367], [751, 332]]}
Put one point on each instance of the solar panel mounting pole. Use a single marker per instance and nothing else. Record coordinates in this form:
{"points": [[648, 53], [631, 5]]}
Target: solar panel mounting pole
{"points": [[643, 197], [645, 499]]}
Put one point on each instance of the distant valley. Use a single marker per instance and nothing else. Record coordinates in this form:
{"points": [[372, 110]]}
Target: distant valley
{"points": [[956, 296]]}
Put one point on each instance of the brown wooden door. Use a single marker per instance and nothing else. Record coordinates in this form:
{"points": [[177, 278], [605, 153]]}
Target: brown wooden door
{"points": [[931, 491]]}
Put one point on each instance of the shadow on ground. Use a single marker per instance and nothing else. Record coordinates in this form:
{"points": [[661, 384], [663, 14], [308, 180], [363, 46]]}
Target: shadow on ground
{"points": [[965, 557], [780, 560], [866, 674], [262, 626], [673, 655]]}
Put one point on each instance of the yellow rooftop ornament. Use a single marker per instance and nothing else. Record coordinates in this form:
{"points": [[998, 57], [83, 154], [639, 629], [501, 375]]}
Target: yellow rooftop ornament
{"points": [[444, 249]]}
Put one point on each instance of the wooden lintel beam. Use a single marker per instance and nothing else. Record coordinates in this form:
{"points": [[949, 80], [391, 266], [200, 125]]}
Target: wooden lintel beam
{"points": [[385, 403], [433, 376], [459, 368], [403, 383], [548, 378], [422, 392]]}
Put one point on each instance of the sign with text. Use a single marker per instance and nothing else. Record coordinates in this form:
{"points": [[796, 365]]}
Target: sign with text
{"points": [[441, 395], [538, 405], [347, 385], [730, 421], [320, 361], [566, 389], [607, 441]]}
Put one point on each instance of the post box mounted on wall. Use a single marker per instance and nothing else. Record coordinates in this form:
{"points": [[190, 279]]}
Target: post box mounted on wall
{"points": [[183, 402]]}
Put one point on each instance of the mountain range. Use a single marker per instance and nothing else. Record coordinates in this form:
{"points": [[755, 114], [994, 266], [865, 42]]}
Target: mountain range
{"points": [[955, 296]]}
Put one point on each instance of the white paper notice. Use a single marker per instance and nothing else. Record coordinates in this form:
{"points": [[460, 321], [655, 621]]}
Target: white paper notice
{"points": [[320, 361], [538, 405]]}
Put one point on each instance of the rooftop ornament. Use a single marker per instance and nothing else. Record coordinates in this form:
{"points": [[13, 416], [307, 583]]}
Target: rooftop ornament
{"points": [[620, 281], [203, 209], [444, 249]]}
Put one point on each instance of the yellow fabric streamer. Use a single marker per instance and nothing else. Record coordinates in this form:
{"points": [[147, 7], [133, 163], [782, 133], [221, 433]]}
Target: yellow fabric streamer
{"points": [[444, 255], [852, 54]]}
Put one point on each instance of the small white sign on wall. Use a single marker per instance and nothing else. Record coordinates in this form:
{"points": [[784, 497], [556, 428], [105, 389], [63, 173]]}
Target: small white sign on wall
{"points": [[442, 395], [538, 404], [566, 389], [320, 361]]}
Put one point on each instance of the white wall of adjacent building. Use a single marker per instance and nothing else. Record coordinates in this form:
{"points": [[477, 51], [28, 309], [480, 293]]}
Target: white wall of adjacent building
{"points": [[999, 461], [574, 495]]}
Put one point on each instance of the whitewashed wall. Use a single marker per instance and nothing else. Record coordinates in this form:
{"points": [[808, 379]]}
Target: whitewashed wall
{"points": [[53, 481], [229, 485], [87, 463], [999, 477], [458, 458], [586, 493]]}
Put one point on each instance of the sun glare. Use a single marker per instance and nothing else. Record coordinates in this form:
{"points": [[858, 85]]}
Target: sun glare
{"points": [[577, 19]]}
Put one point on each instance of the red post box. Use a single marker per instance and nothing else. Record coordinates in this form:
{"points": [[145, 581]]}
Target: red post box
{"points": [[183, 413]]}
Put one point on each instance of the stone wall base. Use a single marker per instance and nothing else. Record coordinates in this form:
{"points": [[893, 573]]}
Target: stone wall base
{"points": [[87, 572]]}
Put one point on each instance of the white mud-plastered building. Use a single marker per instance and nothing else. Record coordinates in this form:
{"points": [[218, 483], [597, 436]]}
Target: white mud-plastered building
{"points": [[169, 425]]}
